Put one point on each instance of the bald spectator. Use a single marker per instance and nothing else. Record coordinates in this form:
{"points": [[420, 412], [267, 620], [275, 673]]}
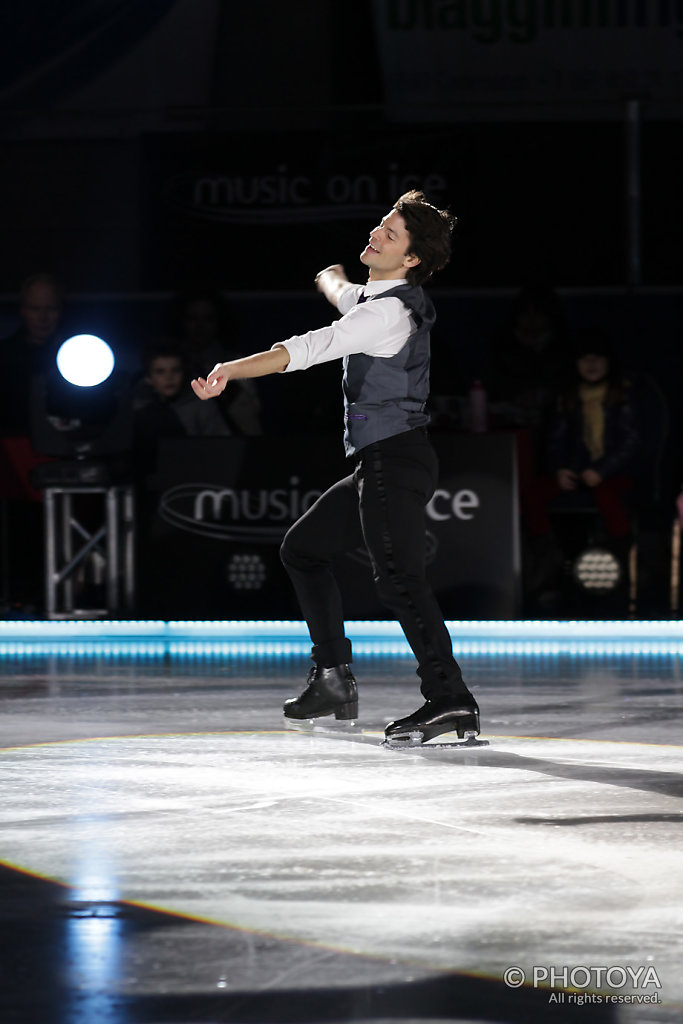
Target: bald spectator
{"points": [[27, 351], [24, 354]]}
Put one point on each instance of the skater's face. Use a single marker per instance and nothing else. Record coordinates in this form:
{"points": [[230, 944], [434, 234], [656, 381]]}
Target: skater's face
{"points": [[165, 375], [387, 255]]}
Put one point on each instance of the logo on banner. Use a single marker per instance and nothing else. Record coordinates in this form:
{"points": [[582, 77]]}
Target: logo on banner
{"points": [[523, 23], [517, 59], [284, 196], [460, 505], [224, 513]]}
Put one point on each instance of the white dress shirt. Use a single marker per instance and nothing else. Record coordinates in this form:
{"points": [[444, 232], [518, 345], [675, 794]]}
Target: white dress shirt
{"points": [[377, 327]]}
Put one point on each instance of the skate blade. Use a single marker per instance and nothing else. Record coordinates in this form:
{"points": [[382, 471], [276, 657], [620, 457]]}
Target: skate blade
{"points": [[412, 740], [323, 726]]}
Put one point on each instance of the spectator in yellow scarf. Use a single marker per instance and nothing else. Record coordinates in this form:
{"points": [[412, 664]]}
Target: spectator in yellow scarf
{"points": [[593, 442]]}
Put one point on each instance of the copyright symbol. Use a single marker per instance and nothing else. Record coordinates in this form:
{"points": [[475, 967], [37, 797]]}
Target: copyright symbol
{"points": [[514, 977]]}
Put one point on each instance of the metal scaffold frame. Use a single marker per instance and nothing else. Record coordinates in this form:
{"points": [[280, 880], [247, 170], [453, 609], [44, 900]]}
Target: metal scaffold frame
{"points": [[70, 546]]}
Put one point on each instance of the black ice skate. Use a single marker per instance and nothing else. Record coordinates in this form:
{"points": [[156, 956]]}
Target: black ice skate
{"points": [[330, 691], [434, 718]]}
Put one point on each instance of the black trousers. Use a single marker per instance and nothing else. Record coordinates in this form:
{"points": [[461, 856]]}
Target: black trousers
{"points": [[380, 505]]}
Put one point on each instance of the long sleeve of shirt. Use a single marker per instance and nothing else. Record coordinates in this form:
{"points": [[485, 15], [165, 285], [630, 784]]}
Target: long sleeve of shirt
{"points": [[377, 327]]}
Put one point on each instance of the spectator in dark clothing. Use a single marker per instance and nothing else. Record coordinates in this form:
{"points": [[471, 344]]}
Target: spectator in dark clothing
{"points": [[27, 351], [592, 445], [24, 354], [527, 359], [594, 437], [199, 323], [163, 408]]}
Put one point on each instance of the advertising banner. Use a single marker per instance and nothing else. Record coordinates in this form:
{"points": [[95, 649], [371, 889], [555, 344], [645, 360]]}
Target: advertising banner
{"points": [[511, 59], [220, 508], [249, 211]]}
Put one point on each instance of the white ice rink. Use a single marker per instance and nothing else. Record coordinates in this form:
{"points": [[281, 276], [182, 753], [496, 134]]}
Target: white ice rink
{"points": [[326, 861]]}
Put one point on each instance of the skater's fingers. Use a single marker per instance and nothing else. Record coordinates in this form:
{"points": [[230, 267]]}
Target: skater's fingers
{"points": [[200, 388]]}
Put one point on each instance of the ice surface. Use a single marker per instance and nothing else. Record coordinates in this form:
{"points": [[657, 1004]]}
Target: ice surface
{"points": [[177, 786]]}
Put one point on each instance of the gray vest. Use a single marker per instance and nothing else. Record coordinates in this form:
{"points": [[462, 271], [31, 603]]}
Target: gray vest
{"points": [[384, 397]]}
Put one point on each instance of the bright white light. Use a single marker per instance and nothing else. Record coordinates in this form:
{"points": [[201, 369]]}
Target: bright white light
{"points": [[597, 570], [85, 360]]}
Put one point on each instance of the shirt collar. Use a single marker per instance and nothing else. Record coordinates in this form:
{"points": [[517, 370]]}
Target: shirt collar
{"points": [[377, 287]]}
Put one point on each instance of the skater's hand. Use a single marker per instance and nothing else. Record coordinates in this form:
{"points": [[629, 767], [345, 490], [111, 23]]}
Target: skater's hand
{"points": [[591, 478], [567, 479], [214, 384], [331, 282], [336, 269]]}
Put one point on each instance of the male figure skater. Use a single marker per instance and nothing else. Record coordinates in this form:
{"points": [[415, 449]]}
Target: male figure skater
{"points": [[383, 338]]}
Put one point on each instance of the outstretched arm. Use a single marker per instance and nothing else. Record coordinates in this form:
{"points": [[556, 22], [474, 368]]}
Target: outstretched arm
{"points": [[258, 365], [331, 282]]}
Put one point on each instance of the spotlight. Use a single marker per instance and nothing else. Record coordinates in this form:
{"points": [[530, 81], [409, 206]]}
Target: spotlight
{"points": [[597, 570], [85, 360], [80, 410], [81, 416]]}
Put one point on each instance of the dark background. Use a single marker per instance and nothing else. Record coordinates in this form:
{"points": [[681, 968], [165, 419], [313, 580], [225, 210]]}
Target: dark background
{"points": [[112, 112], [108, 108], [115, 114]]}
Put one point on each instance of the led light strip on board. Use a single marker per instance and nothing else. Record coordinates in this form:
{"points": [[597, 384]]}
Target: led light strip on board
{"points": [[671, 629], [279, 638]]}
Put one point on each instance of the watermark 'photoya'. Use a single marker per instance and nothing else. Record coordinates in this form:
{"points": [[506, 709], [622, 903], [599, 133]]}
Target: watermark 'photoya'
{"points": [[574, 982]]}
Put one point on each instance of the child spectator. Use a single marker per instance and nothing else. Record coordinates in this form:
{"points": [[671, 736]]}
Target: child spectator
{"points": [[168, 408]]}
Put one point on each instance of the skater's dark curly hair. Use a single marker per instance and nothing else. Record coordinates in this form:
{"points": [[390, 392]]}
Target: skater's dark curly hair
{"points": [[430, 234]]}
